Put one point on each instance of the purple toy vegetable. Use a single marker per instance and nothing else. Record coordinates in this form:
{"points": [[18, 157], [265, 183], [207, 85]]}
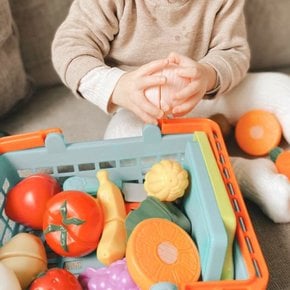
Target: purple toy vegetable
{"points": [[115, 276]]}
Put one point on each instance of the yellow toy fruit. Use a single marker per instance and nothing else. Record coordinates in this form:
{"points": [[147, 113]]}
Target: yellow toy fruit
{"points": [[112, 245], [166, 180]]}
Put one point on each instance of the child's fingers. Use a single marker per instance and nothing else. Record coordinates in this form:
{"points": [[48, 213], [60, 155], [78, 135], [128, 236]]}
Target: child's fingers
{"points": [[144, 116], [190, 90], [180, 59], [150, 81], [147, 108], [174, 57], [152, 110], [153, 67], [188, 72], [186, 106]]}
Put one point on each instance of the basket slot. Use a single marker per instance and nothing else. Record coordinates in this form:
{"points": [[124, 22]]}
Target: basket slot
{"points": [[257, 268], [128, 162], [249, 245], [86, 167], [231, 188], [242, 224], [236, 205], [65, 169]]}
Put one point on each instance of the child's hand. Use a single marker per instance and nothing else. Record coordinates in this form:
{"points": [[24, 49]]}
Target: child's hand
{"points": [[202, 79], [129, 91]]}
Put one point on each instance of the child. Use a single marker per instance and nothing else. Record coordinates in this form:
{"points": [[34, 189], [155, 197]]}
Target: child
{"points": [[110, 52]]}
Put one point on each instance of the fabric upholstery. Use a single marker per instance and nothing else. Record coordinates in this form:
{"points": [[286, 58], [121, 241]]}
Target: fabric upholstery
{"points": [[37, 21], [269, 34], [13, 82]]}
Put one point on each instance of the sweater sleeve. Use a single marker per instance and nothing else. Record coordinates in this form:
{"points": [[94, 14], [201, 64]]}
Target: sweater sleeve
{"points": [[83, 40], [98, 84], [229, 52]]}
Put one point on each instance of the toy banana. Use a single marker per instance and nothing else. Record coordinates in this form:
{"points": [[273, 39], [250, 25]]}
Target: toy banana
{"points": [[112, 245]]}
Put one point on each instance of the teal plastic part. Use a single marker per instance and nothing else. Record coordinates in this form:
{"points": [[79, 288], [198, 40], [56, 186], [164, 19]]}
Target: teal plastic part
{"points": [[201, 208], [79, 264], [163, 286], [87, 184], [241, 272], [8, 178]]}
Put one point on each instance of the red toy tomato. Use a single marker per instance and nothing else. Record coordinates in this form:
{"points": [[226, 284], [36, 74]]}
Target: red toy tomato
{"points": [[56, 279], [26, 201], [73, 223]]}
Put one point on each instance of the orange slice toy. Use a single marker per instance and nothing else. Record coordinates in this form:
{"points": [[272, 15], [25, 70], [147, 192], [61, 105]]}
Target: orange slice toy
{"points": [[159, 250], [257, 132]]}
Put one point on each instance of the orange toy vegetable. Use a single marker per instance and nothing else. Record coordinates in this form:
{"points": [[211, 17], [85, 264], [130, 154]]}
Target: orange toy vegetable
{"points": [[159, 250], [257, 132], [282, 160]]}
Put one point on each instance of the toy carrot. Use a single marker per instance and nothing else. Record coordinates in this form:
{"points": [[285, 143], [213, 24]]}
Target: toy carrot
{"points": [[257, 132], [282, 160], [159, 250]]}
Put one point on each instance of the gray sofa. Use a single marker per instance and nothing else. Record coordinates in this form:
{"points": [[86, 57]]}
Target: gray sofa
{"points": [[40, 101]]}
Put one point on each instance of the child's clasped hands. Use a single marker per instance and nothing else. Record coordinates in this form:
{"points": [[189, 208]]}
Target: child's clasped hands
{"points": [[164, 87]]}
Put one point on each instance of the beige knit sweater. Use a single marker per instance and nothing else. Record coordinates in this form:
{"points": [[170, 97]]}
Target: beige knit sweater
{"points": [[128, 33]]}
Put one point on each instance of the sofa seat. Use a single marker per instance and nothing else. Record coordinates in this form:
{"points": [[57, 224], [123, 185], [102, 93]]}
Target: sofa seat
{"points": [[57, 107]]}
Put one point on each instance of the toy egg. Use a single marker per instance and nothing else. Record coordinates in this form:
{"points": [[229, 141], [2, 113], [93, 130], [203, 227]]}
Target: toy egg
{"points": [[8, 279], [25, 255]]}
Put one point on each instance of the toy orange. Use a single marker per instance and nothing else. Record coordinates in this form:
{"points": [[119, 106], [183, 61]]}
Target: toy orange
{"points": [[257, 132], [159, 250], [282, 160]]}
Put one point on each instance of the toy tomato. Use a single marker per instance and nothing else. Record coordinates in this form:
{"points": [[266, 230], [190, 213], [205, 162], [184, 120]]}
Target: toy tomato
{"points": [[26, 201], [56, 279], [73, 223]]}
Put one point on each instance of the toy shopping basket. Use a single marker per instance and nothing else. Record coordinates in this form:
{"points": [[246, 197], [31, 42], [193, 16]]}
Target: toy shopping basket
{"points": [[130, 159]]}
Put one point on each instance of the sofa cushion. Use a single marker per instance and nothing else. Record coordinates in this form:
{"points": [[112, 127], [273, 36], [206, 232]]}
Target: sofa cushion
{"points": [[37, 21], [268, 25], [14, 85]]}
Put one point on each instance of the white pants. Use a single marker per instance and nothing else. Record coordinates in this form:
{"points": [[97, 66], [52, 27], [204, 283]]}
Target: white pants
{"points": [[268, 91]]}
